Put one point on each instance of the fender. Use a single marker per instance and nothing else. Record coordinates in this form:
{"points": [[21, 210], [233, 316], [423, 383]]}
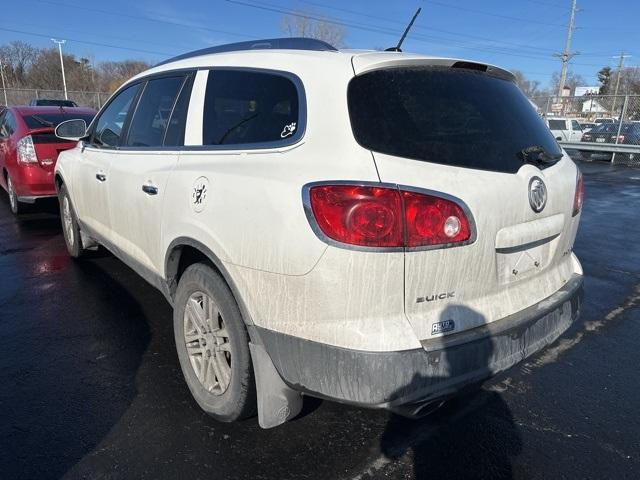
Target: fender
{"points": [[277, 402]]}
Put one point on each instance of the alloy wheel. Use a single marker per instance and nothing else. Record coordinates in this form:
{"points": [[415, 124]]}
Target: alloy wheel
{"points": [[67, 221], [207, 342]]}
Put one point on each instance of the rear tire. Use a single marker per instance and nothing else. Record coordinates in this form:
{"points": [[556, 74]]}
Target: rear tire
{"points": [[70, 227], [213, 345], [16, 208]]}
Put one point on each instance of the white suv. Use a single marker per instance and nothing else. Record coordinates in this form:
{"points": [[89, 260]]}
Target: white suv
{"points": [[376, 228]]}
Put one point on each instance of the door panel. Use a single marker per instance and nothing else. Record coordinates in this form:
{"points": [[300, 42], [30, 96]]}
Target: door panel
{"points": [[91, 183], [137, 185]]}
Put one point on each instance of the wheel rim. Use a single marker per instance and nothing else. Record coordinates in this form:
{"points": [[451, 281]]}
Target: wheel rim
{"points": [[207, 342], [13, 201], [67, 220]]}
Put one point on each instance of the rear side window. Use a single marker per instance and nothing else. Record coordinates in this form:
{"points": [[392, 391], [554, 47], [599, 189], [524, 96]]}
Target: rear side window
{"points": [[557, 125], [151, 117], [449, 116], [250, 108], [178, 120]]}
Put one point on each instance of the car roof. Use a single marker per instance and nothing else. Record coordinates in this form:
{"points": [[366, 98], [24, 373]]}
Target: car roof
{"points": [[290, 51], [29, 110]]}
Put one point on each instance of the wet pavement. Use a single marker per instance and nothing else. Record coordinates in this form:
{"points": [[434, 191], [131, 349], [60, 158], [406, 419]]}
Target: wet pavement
{"points": [[90, 385]]}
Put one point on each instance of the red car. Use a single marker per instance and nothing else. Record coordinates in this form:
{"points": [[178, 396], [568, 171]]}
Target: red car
{"points": [[29, 150]]}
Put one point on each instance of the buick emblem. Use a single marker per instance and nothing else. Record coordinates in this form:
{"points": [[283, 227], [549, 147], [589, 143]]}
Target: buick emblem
{"points": [[537, 194]]}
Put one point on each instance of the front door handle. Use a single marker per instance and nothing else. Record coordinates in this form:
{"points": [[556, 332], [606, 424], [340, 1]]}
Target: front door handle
{"points": [[150, 189], [101, 177]]}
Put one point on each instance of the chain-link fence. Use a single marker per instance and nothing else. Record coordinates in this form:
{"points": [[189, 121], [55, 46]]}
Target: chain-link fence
{"points": [[22, 96], [600, 127]]}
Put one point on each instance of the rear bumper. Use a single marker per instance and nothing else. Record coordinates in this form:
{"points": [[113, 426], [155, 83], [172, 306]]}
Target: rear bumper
{"points": [[32, 182], [398, 380]]}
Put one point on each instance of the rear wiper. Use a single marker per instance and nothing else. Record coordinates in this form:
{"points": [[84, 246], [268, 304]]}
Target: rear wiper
{"points": [[42, 121], [537, 154]]}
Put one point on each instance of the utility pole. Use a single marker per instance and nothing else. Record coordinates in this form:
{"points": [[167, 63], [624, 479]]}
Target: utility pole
{"points": [[615, 93], [64, 81], [4, 87], [567, 55]]}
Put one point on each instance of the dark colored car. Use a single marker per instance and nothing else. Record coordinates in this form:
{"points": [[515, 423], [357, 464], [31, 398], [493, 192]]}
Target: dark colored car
{"points": [[29, 150], [52, 102], [607, 133]]}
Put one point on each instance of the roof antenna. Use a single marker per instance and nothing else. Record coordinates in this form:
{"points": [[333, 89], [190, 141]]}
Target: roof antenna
{"points": [[404, 35]]}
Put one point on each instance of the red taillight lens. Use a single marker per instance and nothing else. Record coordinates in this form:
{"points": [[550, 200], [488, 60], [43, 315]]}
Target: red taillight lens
{"points": [[365, 216], [578, 198], [432, 220], [386, 217]]}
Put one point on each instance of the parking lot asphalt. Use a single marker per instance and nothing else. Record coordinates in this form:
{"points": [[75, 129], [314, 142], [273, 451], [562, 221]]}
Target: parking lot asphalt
{"points": [[90, 385]]}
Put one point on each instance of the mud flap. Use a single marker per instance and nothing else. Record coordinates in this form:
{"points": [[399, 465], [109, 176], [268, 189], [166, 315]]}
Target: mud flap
{"points": [[277, 403]]}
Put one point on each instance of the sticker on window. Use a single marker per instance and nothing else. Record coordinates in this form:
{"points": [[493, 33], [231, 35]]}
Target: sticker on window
{"points": [[288, 130]]}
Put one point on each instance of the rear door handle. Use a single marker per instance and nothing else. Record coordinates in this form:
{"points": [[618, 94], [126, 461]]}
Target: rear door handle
{"points": [[150, 189], [101, 177]]}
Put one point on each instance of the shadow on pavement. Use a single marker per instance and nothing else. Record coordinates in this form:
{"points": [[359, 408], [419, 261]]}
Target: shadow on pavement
{"points": [[458, 440]]}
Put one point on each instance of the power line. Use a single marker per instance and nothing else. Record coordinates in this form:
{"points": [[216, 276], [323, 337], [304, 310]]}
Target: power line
{"points": [[395, 33], [497, 15], [417, 27], [138, 17], [23, 32]]}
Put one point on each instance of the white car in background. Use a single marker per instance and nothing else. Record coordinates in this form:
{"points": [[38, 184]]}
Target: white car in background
{"points": [[358, 226], [565, 129]]}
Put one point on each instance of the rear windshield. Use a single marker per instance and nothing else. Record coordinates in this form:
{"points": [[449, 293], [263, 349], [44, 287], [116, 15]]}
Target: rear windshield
{"points": [[44, 120], [450, 116], [55, 103]]}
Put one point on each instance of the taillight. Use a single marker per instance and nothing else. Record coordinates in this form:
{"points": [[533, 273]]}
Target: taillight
{"points": [[620, 138], [586, 137], [578, 197], [386, 217], [432, 220], [26, 151]]}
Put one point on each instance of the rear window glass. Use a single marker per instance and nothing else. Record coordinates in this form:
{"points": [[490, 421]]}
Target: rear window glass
{"points": [[449, 116], [246, 107], [44, 120]]}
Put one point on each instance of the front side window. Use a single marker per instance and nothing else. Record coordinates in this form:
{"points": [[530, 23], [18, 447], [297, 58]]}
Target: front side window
{"points": [[151, 118], [246, 107], [575, 125], [111, 121]]}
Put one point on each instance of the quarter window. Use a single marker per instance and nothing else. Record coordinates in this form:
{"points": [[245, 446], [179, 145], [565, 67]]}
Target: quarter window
{"points": [[110, 123], [152, 115], [245, 108]]}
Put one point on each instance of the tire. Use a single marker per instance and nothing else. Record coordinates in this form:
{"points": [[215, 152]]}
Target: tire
{"points": [[216, 363], [16, 208], [70, 227]]}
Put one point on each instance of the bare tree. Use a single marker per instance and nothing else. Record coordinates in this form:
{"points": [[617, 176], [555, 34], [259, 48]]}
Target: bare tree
{"points": [[573, 80], [309, 25], [531, 88], [17, 57], [113, 74]]}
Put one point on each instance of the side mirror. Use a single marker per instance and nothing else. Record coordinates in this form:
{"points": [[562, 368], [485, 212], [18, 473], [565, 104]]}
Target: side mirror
{"points": [[72, 129]]}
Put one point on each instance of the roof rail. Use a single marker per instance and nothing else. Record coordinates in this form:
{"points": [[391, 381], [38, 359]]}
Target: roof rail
{"points": [[289, 43]]}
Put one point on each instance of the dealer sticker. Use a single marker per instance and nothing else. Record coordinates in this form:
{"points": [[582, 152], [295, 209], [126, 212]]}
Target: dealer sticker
{"points": [[442, 327]]}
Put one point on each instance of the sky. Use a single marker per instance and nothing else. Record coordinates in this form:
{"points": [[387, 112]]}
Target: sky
{"points": [[517, 34]]}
